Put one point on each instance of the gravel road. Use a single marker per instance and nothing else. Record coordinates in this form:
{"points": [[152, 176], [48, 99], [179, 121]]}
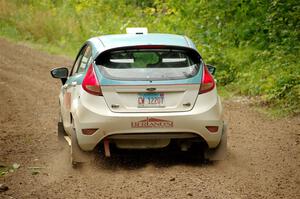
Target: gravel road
{"points": [[263, 159]]}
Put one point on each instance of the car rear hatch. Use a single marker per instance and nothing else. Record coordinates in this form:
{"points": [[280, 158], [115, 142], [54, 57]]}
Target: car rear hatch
{"points": [[149, 79]]}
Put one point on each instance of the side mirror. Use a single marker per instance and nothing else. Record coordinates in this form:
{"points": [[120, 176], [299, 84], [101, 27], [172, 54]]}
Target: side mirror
{"points": [[211, 69], [61, 73]]}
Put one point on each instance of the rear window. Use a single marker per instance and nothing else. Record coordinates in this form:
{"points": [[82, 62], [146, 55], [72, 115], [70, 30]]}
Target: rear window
{"points": [[147, 64]]}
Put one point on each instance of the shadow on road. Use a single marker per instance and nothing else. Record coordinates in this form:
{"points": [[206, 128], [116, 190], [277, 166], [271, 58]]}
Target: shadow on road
{"points": [[135, 159]]}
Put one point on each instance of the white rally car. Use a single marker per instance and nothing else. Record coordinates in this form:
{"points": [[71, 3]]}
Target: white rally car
{"points": [[140, 90]]}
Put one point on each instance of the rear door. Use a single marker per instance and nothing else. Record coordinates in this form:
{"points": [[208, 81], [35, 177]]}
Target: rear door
{"points": [[149, 80], [73, 84]]}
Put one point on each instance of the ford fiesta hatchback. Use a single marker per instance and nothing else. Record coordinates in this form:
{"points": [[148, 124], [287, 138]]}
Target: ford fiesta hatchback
{"points": [[138, 91]]}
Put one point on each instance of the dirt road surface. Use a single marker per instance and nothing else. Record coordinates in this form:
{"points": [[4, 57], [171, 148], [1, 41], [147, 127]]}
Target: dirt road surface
{"points": [[263, 159]]}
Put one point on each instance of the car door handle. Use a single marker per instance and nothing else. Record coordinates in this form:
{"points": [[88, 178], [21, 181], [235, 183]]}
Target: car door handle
{"points": [[73, 84]]}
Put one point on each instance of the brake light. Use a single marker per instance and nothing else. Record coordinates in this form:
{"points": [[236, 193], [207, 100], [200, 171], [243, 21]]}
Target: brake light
{"points": [[208, 82], [90, 82], [150, 47]]}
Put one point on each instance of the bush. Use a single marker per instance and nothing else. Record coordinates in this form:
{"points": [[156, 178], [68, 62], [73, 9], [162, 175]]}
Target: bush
{"points": [[253, 43]]}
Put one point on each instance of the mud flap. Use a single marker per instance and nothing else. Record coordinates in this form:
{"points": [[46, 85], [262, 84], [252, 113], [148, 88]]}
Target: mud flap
{"points": [[61, 133], [77, 155], [218, 153]]}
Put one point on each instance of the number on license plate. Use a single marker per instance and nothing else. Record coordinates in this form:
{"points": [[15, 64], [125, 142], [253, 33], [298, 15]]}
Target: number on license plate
{"points": [[150, 99]]}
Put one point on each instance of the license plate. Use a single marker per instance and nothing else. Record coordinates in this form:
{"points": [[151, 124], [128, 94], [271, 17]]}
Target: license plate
{"points": [[150, 100]]}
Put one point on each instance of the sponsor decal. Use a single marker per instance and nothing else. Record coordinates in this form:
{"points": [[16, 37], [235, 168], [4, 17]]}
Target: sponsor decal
{"points": [[152, 123]]}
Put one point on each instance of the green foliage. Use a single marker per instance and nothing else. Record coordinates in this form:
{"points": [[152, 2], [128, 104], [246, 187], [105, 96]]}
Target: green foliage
{"points": [[253, 43]]}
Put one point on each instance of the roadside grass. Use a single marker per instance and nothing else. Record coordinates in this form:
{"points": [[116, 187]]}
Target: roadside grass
{"points": [[271, 74], [272, 112], [5, 169], [45, 47]]}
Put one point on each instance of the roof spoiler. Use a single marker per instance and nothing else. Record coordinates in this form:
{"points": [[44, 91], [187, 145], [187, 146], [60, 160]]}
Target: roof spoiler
{"points": [[137, 31]]}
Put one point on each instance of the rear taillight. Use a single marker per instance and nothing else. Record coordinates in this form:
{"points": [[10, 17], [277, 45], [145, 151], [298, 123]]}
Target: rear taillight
{"points": [[208, 82], [90, 82]]}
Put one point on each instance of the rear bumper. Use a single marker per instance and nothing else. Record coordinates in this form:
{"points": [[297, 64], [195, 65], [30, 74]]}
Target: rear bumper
{"points": [[110, 124]]}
